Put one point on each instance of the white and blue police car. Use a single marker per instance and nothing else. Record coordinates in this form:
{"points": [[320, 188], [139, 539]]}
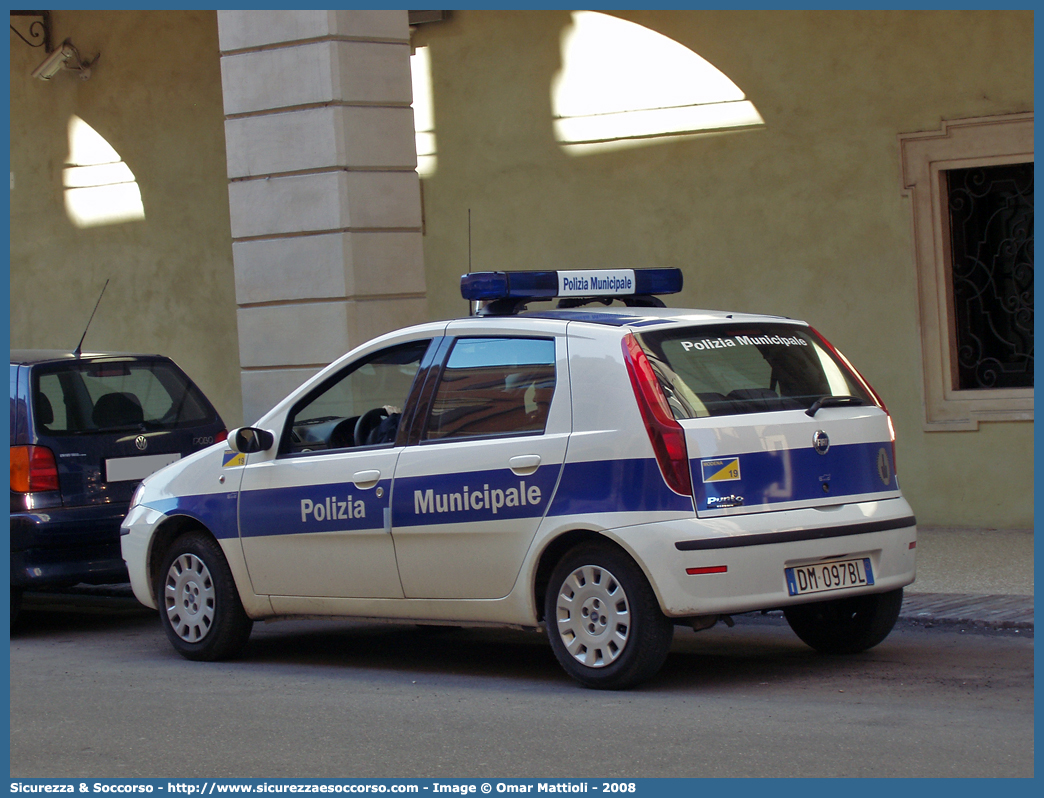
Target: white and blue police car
{"points": [[601, 471]]}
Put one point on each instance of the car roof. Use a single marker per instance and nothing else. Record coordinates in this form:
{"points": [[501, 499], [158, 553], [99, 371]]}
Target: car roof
{"points": [[648, 316], [33, 356]]}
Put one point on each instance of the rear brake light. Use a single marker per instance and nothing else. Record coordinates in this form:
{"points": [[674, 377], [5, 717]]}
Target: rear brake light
{"points": [[33, 469], [221, 436], [665, 433]]}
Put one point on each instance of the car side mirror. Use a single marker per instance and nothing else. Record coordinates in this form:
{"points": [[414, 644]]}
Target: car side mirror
{"points": [[248, 440]]}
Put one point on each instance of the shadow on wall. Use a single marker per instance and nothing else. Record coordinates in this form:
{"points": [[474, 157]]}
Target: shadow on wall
{"points": [[620, 85]]}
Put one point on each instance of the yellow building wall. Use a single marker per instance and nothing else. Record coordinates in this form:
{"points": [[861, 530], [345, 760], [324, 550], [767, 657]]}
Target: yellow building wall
{"points": [[803, 217], [155, 96]]}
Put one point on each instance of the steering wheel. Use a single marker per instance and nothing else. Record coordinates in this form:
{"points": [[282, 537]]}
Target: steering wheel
{"points": [[342, 435], [367, 423]]}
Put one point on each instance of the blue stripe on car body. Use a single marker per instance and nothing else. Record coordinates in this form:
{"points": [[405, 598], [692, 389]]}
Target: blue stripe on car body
{"points": [[787, 475], [472, 496], [602, 486], [216, 511], [331, 507]]}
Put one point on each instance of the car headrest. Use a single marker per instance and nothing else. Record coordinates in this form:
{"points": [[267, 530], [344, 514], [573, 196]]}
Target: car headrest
{"points": [[44, 411], [117, 410]]}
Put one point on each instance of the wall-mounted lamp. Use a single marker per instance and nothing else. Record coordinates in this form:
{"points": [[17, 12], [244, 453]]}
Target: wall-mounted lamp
{"points": [[65, 57]]}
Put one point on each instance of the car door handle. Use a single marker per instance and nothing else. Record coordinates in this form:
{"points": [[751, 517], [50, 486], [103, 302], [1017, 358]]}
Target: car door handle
{"points": [[524, 464], [366, 479]]}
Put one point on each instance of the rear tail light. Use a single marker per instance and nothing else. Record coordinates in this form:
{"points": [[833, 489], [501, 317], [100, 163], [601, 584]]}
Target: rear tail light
{"points": [[221, 436], [866, 386], [33, 469], [665, 433]]}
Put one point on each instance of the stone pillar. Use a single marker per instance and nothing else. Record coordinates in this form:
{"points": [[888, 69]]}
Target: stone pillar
{"points": [[323, 188]]}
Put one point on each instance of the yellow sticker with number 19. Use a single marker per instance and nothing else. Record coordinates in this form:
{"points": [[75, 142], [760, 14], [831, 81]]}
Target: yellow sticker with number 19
{"points": [[232, 459], [720, 470]]}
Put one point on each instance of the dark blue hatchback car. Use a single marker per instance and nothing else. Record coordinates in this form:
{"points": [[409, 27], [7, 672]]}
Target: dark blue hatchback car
{"points": [[85, 430]]}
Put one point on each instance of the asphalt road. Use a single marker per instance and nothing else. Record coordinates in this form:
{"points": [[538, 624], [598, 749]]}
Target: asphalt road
{"points": [[96, 691]]}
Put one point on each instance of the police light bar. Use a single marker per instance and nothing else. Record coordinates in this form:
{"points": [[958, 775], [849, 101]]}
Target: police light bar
{"points": [[593, 283]]}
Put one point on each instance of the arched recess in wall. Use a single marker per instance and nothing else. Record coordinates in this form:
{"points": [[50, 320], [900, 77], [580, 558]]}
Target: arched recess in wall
{"points": [[99, 187], [624, 85]]}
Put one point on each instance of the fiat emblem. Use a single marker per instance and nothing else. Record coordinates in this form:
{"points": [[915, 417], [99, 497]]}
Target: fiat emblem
{"points": [[821, 441], [142, 443]]}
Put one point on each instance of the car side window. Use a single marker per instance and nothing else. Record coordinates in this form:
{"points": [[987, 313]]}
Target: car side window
{"points": [[359, 406], [16, 402], [494, 386]]}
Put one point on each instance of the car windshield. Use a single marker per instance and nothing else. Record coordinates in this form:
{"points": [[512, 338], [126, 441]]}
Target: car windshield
{"points": [[746, 368], [115, 394]]}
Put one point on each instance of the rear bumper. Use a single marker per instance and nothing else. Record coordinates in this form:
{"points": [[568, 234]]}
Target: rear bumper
{"points": [[740, 562], [67, 545]]}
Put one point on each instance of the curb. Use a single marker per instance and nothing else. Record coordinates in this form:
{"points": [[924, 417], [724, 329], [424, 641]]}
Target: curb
{"points": [[992, 612]]}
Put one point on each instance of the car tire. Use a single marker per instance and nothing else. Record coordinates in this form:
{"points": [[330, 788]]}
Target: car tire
{"points": [[603, 619], [846, 625], [198, 602]]}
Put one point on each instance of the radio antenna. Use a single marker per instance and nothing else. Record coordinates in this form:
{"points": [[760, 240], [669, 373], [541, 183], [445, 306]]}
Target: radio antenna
{"points": [[471, 305], [79, 346]]}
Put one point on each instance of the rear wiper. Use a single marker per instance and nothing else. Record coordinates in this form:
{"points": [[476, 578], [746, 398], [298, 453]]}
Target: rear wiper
{"points": [[833, 401]]}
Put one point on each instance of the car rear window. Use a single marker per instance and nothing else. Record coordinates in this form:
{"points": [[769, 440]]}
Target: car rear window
{"points": [[732, 369], [99, 396]]}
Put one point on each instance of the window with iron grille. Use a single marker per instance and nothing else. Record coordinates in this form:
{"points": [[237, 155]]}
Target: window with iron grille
{"points": [[970, 186], [991, 254]]}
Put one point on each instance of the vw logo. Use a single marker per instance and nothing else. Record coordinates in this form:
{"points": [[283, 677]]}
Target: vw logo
{"points": [[142, 443], [820, 441]]}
